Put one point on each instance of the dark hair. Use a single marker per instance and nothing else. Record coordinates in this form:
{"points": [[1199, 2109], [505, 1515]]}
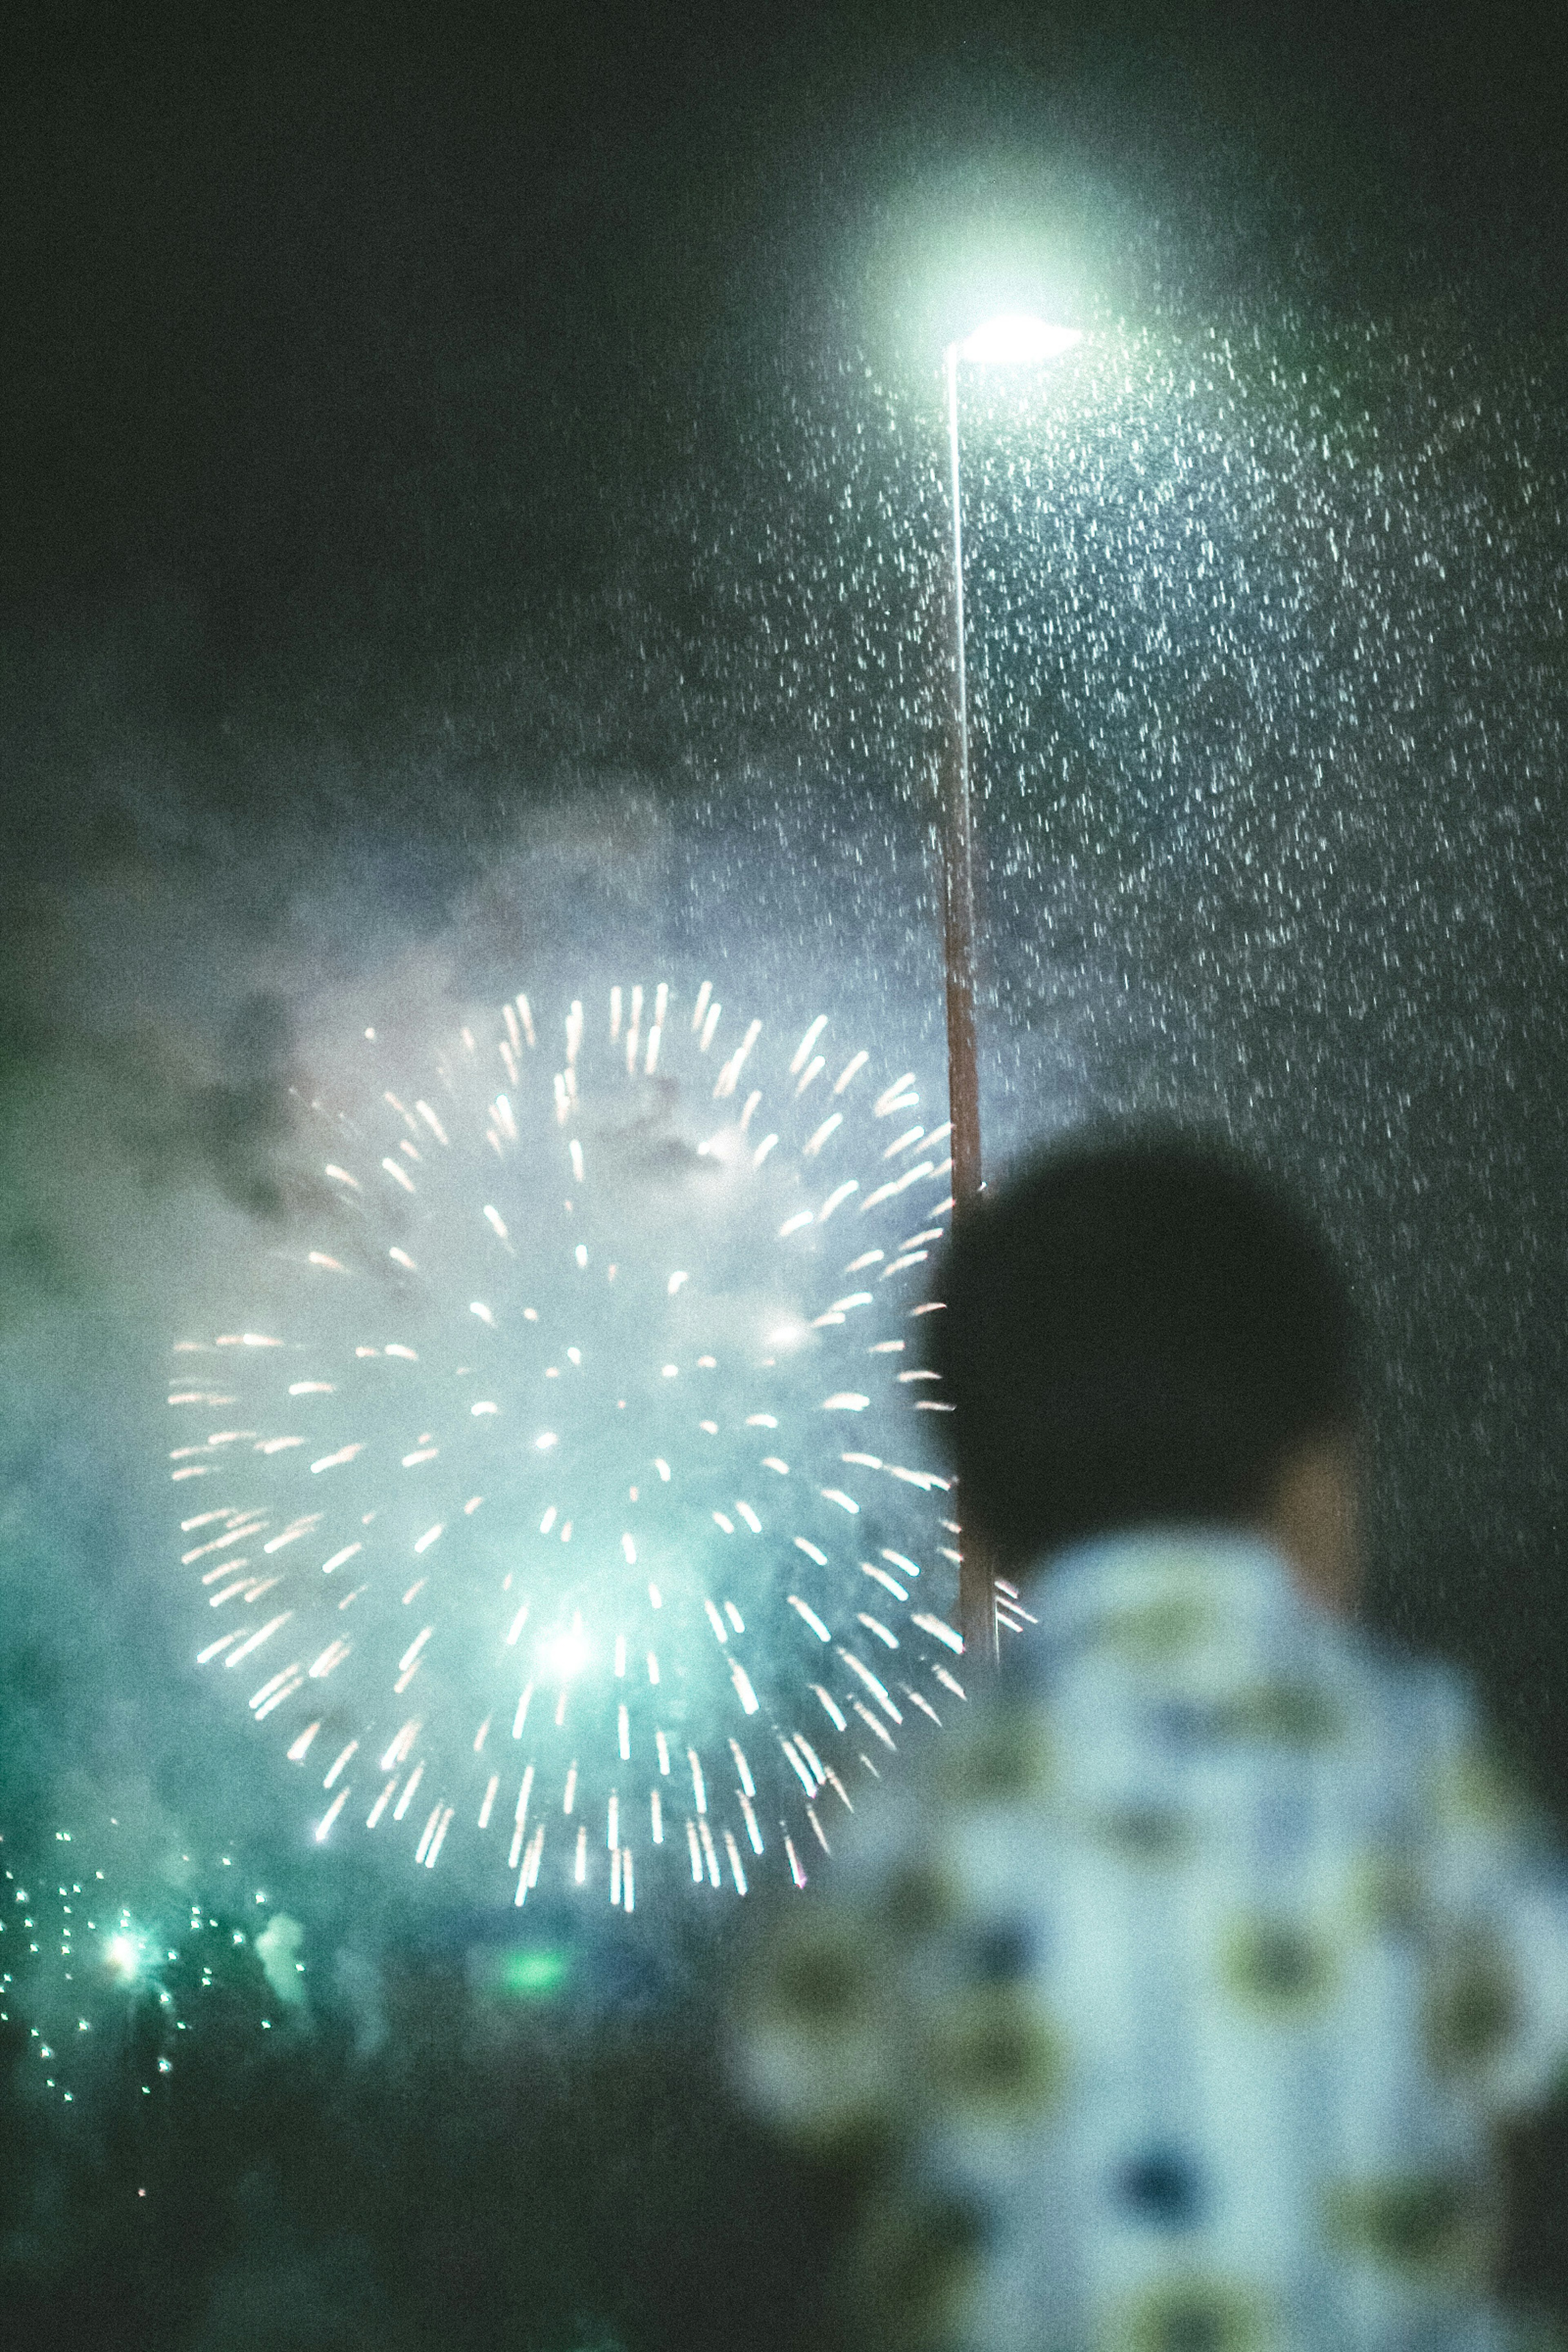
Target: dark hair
{"points": [[1136, 1329]]}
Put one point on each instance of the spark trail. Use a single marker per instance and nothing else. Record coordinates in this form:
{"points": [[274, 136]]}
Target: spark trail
{"points": [[572, 1507]]}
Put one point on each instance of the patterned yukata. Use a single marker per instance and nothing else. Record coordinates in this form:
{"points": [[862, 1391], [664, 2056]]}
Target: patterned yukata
{"points": [[1177, 1985]]}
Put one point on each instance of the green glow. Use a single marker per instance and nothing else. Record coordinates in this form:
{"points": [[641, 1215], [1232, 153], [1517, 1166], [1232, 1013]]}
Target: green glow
{"points": [[534, 1971]]}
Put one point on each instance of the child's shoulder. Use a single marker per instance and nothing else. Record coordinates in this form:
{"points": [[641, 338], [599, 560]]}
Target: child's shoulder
{"points": [[1433, 1701]]}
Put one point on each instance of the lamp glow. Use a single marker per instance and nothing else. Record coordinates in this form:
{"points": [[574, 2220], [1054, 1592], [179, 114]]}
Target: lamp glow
{"points": [[122, 1956], [1017, 339]]}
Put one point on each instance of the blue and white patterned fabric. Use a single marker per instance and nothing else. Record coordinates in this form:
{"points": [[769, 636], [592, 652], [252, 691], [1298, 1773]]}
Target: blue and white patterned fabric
{"points": [[1177, 1989]]}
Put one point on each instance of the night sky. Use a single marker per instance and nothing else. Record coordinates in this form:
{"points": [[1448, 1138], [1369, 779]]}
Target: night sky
{"points": [[472, 504], [384, 387]]}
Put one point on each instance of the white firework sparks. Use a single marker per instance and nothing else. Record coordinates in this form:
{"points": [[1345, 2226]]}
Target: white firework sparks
{"points": [[97, 1989], [574, 1503]]}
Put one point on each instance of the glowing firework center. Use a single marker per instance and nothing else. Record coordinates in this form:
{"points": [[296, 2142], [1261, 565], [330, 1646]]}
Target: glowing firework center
{"points": [[574, 1509]]}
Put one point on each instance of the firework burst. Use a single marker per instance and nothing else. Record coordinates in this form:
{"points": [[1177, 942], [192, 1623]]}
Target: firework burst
{"points": [[100, 1982], [574, 1508]]}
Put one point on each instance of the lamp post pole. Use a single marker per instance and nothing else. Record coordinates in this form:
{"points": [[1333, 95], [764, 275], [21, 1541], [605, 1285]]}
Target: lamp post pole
{"points": [[976, 1590], [958, 862], [1013, 339]]}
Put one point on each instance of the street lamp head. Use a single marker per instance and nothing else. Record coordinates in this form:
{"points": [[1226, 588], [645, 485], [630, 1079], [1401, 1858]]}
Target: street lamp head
{"points": [[1017, 339]]}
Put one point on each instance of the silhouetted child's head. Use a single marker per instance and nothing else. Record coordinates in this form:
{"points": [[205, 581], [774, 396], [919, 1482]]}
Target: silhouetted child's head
{"points": [[1141, 1331]]}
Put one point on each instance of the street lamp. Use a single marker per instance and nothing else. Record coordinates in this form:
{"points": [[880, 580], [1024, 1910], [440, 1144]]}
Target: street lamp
{"points": [[1014, 339]]}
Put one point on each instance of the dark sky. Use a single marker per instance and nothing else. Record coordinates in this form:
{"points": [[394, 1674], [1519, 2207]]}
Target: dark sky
{"points": [[342, 349]]}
